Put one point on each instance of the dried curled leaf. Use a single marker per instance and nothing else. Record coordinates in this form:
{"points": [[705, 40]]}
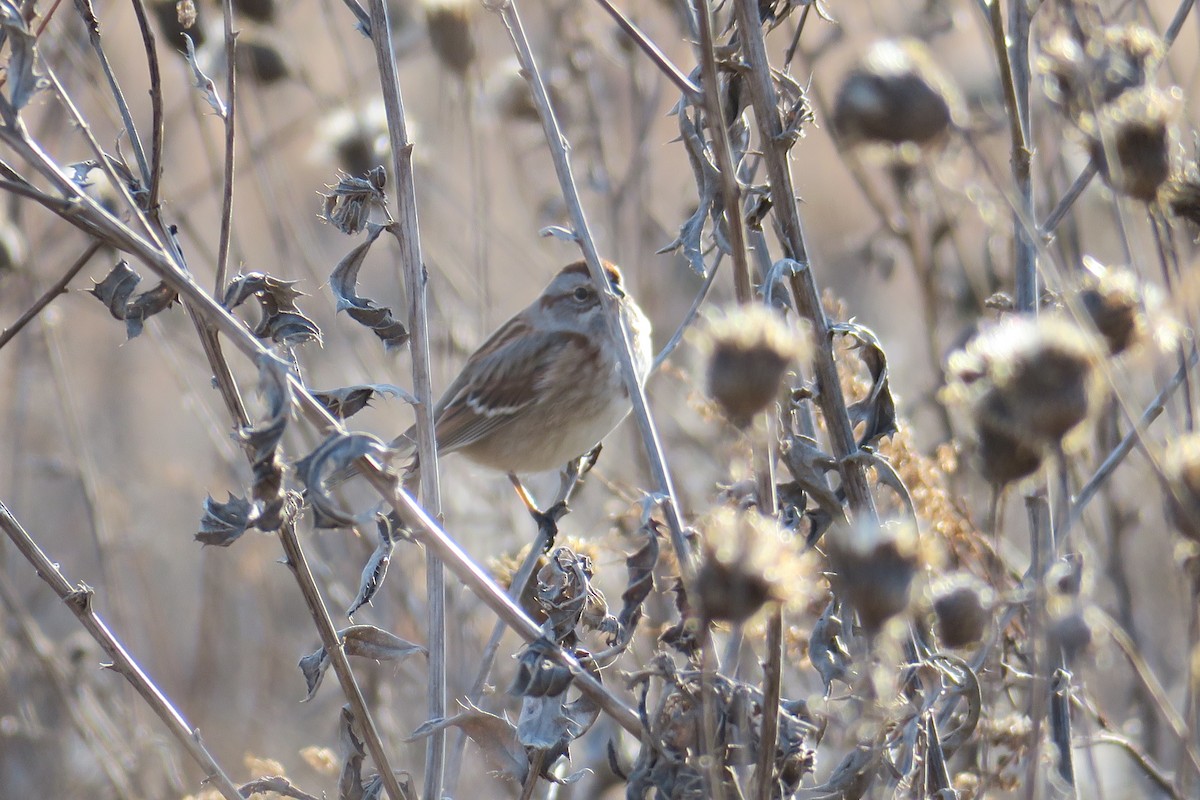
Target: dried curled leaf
{"points": [[202, 81], [877, 411], [116, 292], [224, 523], [336, 453], [277, 784], [495, 736], [364, 641], [349, 204], [564, 591], [375, 570], [827, 649], [263, 438], [550, 724], [539, 672], [363, 310], [23, 77], [350, 783], [281, 320], [347, 401], [640, 567]]}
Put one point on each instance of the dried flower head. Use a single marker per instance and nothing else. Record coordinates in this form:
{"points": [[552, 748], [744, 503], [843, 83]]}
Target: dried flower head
{"points": [[449, 24], [749, 350], [1082, 77], [356, 139], [1112, 297], [1001, 458], [262, 59], [1027, 378], [897, 94], [513, 99], [176, 19], [1181, 465], [258, 10], [1130, 140], [874, 567], [746, 558], [963, 606]]}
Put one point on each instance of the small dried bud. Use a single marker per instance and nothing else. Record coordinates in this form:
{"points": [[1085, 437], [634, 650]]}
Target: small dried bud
{"points": [[449, 24], [1113, 300], [875, 566], [897, 94], [1181, 465], [261, 59], [176, 19], [745, 558], [1002, 459], [962, 604], [1026, 377], [749, 353], [1081, 78], [1130, 141]]}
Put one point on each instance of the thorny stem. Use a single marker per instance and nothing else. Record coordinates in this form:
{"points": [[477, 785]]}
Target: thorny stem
{"points": [[560, 152], [408, 235], [298, 564], [78, 600], [59, 287], [804, 288]]}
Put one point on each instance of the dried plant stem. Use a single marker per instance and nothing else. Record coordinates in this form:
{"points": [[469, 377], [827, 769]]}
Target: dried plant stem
{"points": [[652, 51], [78, 600], [616, 326], [298, 564], [157, 121], [408, 236], [772, 692], [47, 297], [804, 288], [230, 148]]}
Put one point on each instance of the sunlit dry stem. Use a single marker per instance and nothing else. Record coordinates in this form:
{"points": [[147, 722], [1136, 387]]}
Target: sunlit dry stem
{"points": [[408, 236], [78, 600]]}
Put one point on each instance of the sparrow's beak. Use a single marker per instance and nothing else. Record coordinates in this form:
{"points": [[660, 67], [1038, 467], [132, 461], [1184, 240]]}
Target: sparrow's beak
{"points": [[617, 290]]}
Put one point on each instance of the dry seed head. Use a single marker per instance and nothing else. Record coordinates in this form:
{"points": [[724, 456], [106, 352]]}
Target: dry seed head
{"points": [[874, 567], [749, 351], [1028, 378], [1002, 459], [897, 94], [261, 59], [963, 605], [449, 24], [1136, 130], [1181, 465], [355, 139], [1081, 77], [1112, 297], [258, 10], [513, 99], [746, 559], [1182, 195]]}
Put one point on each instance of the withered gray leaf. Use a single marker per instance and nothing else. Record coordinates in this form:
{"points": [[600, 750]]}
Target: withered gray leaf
{"points": [[367, 641], [351, 201], [312, 667], [264, 436], [826, 650], [22, 75], [116, 292], [224, 523], [350, 784], [347, 401], [808, 464], [202, 81], [281, 319], [375, 570], [495, 736], [338, 452], [639, 566], [538, 671], [344, 280], [876, 411]]}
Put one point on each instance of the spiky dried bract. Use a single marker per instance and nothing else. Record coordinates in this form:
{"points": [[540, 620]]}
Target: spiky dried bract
{"points": [[1130, 140], [1083, 77], [897, 94], [963, 606], [747, 558], [1113, 300], [1182, 196], [1026, 378], [749, 351], [874, 566], [449, 24], [1181, 465]]}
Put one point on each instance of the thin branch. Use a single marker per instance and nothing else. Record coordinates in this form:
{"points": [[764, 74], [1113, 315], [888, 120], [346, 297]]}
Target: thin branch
{"points": [[408, 235], [59, 287], [78, 600], [652, 51], [230, 149]]}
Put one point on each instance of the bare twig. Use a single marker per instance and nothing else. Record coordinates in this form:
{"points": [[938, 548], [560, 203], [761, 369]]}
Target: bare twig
{"points": [[230, 149], [652, 51], [59, 287], [79, 600]]}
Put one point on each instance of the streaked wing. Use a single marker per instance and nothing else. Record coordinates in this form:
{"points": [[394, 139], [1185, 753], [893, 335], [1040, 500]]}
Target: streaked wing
{"points": [[498, 382]]}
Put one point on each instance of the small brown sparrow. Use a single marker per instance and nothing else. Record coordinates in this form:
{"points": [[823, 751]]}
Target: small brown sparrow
{"points": [[546, 387]]}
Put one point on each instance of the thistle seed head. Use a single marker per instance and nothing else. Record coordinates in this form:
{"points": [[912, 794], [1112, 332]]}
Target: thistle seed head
{"points": [[963, 607], [875, 566], [449, 25], [746, 557]]}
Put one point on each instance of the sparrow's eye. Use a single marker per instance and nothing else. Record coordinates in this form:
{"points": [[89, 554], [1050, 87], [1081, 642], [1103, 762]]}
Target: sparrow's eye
{"points": [[582, 293]]}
